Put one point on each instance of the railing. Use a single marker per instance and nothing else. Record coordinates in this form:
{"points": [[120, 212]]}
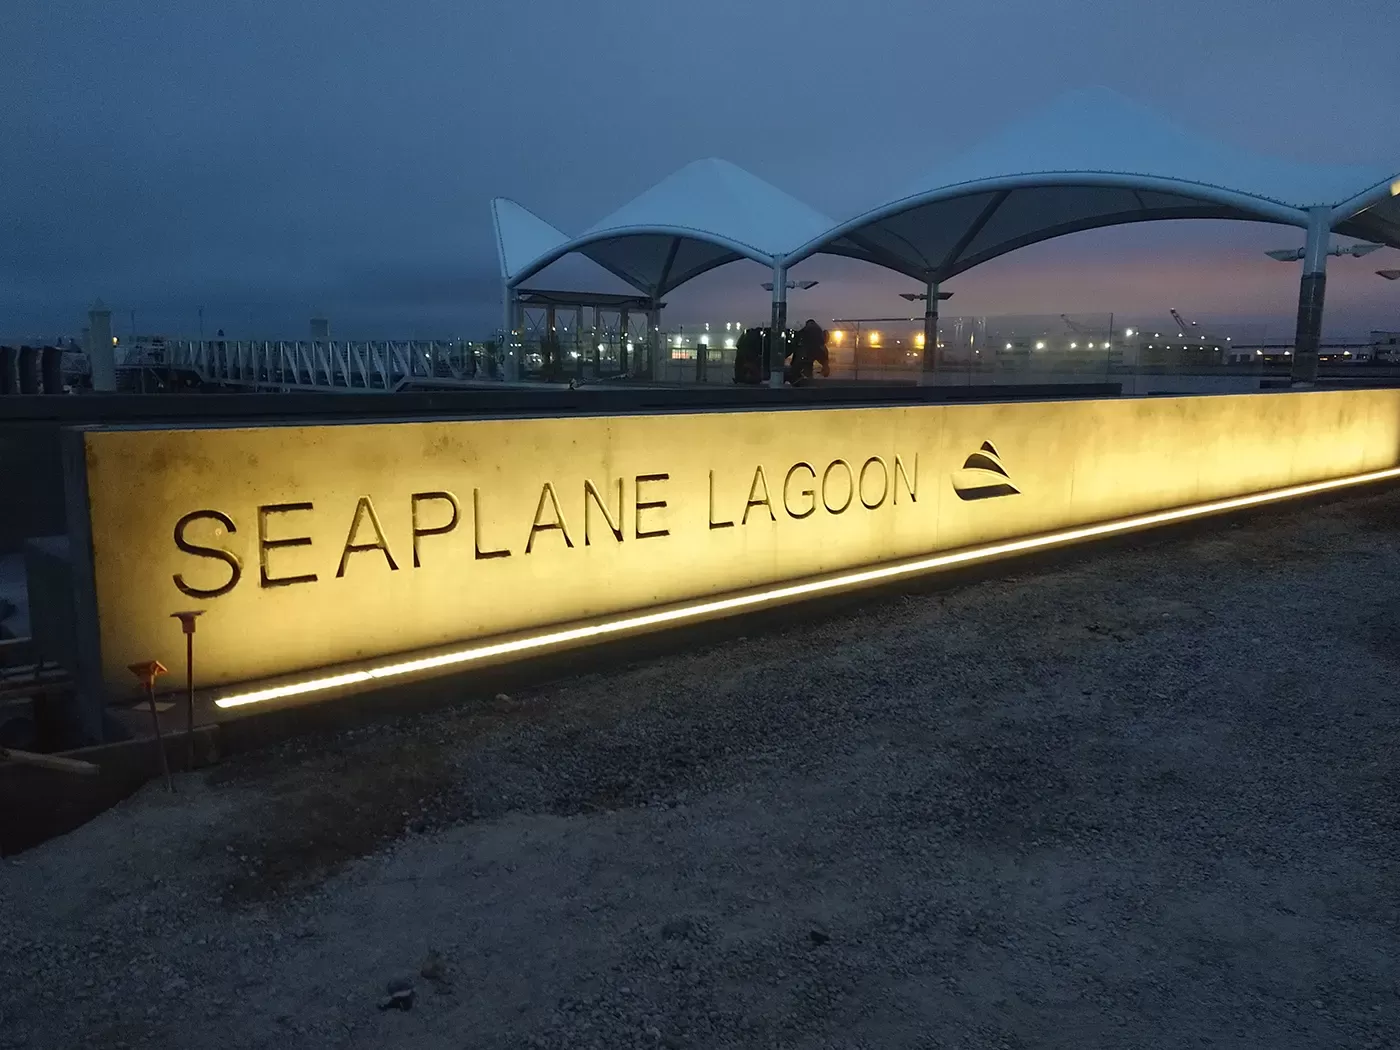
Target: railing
{"points": [[971, 351], [332, 365]]}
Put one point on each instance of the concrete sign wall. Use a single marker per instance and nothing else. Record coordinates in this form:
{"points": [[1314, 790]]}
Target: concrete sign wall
{"points": [[315, 546]]}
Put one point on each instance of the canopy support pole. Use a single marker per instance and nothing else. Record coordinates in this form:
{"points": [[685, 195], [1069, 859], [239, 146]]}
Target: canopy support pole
{"points": [[510, 364], [653, 370], [928, 365], [1311, 292], [778, 328]]}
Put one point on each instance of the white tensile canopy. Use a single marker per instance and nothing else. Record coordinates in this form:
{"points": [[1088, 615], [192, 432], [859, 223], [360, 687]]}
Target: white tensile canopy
{"points": [[521, 235], [705, 215], [1094, 159], [1089, 160]]}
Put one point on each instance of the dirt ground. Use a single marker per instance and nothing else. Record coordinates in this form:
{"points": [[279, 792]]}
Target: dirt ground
{"points": [[1144, 798]]}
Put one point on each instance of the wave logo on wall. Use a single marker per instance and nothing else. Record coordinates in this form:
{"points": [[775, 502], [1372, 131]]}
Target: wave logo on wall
{"points": [[983, 477]]}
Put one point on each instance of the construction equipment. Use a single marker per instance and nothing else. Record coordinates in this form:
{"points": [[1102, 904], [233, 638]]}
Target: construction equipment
{"points": [[1182, 323]]}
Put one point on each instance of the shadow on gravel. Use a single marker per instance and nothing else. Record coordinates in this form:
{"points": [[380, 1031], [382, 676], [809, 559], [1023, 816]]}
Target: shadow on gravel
{"points": [[316, 811], [1380, 513]]}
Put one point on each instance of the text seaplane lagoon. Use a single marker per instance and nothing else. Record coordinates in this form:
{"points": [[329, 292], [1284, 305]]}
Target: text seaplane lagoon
{"points": [[586, 514]]}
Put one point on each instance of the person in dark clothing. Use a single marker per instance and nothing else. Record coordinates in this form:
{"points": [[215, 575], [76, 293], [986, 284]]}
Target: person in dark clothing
{"points": [[809, 350], [748, 357]]}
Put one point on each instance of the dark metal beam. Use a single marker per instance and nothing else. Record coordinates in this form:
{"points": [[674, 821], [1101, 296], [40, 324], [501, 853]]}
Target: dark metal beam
{"points": [[970, 234], [660, 288]]}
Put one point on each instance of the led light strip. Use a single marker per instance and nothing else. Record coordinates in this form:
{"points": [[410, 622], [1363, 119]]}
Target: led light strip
{"points": [[796, 590]]}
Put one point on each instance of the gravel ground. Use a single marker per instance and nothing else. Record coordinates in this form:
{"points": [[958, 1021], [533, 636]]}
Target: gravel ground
{"points": [[1144, 798]]}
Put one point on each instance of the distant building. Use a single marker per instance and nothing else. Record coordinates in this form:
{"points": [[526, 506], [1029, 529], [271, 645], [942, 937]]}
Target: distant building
{"points": [[1385, 346], [320, 330]]}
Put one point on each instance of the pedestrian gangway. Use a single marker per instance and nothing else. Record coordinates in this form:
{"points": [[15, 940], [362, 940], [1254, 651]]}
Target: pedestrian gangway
{"points": [[386, 366]]}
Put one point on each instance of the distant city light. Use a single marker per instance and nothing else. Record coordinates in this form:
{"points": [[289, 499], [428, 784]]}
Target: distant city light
{"points": [[1008, 346], [1074, 346], [837, 336], [1128, 333], [729, 344], [919, 340], [874, 338], [1040, 344], [629, 348]]}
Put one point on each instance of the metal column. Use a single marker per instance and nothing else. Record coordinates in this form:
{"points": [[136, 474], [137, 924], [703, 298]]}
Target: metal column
{"points": [[1311, 291], [653, 369], [778, 327], [928, 365], [624, 332], [510, 364]]}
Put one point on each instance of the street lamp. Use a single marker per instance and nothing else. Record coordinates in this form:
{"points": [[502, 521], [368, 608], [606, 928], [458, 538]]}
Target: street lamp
{"points": [[799, 285]]}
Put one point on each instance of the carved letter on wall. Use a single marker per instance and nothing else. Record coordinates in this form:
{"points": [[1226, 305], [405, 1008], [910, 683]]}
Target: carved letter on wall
{"points": [[365, 509], [656, 504], [266, 545], [615, 524], [547, 493], [481, 552], [716, 524], [436, 530], [235, 567], [912, 487], [826, 485], [884, 482], [810, 493], [759, 482]]}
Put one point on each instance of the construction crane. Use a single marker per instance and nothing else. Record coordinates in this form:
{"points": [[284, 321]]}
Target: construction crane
{"points": [[1076, 329], [1182, 324]]}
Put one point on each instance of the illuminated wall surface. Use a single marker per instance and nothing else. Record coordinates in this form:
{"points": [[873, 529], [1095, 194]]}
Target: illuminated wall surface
{"points": [[314, 546]]}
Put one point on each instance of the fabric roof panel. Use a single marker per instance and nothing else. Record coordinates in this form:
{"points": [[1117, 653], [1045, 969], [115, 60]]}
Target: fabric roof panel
{"points": [[521, 235]]}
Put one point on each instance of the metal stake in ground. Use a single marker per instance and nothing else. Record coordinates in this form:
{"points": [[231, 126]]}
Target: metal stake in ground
{"points": [[187, 625], [148, 672]]}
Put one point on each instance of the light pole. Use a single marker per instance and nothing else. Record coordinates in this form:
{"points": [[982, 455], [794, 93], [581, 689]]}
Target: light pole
{"points": [[1313, 288], [779, 287], [930, 297]]}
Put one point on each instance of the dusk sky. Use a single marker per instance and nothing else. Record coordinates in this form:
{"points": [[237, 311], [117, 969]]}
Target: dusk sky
{"points": [[269, 160]]}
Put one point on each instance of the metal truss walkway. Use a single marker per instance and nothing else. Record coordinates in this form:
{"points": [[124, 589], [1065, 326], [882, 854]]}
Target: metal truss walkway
{"points": [[334, 365]]}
